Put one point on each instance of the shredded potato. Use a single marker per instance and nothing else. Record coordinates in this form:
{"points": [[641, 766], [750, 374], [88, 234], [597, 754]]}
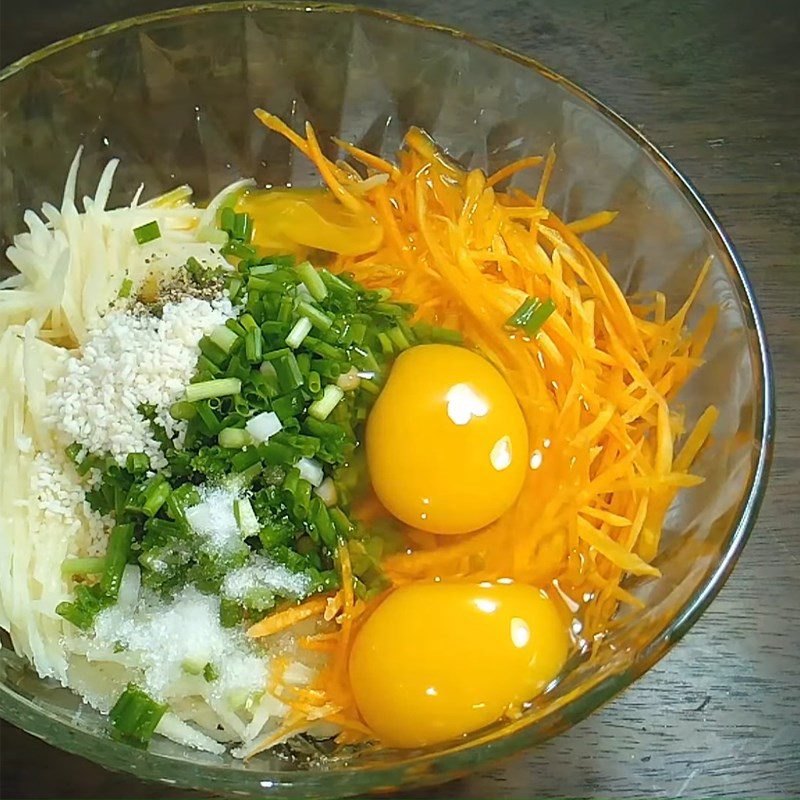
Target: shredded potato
{"points": [[595, 385]]}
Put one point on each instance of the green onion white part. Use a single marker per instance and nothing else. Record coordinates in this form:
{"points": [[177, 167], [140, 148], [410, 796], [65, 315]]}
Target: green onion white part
{"points": [[331, 395], [263, 426], [299, 331], [311, 471]]}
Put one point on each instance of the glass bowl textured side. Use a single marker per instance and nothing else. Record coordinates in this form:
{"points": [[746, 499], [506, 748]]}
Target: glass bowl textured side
{"points": [[172, 95]]}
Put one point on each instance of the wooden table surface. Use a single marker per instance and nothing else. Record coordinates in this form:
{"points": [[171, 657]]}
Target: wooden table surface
{"points": [[717, 85]]}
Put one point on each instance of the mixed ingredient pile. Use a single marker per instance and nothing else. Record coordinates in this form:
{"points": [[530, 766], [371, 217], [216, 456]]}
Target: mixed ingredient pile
{"points": [[365, 462]]}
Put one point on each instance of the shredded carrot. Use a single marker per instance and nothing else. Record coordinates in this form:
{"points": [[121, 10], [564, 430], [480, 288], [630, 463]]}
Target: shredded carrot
{"points": [[368, 159], [287, 618], [592, 222], [504, 173], [596, 386]]}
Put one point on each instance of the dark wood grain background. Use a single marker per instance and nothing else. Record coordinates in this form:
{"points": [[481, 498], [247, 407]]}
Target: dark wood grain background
{"points": [[717, 85]]}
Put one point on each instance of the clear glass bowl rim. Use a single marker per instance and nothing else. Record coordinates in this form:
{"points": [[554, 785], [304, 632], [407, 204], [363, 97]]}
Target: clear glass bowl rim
{"points": [[456, 759]]}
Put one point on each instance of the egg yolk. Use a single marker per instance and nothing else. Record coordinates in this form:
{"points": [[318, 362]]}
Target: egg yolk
{"points": [[446, 441], [284, 219], [437, 660]]}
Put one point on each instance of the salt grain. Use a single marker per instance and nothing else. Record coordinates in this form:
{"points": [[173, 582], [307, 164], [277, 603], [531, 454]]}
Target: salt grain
{"points": [[263, 573], [213, 518], [166, 636]]}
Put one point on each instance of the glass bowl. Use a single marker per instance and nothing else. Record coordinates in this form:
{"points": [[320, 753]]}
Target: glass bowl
{"points": [[171, 94]]}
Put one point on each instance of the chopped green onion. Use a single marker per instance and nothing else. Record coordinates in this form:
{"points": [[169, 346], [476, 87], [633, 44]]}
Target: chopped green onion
{"points": [[244, 459], [365, 359], [182, 409], [125, 288], [290, 482], [445, 335], [340, 521], [253, 346], [398, 338], [312, 280], [89, 600], [304, 364], [369, 386], [285, 309], [119, 549], [183, 497], [208, 418], [155, 495], [261, 285], [213, 352], [245, 516], [226, 218], [531, 315], [335, 283], [248, 323], [388, 309], [210, 673], [234, 287], [539, 317], [91, 565], [162, 530], [433, 333], [73, 452], [286, 368], [299, 332], [90, 462], [148, 232], [329, 369], [135, 716], [301, 499], [236, 327], [318, 318], [385, 343], [263, 426], [324, 349], [248, 475], [273, 328], [234, 438], [267, 369], [205, 365], [288, 405], [230, 613], [259, 270], [237, 249], [200, 274], [314, 382], [358, 330], [137, 463], [321, 520], [331, 395], [224, 338], [242, 227], [276, 453], [221, 387]]}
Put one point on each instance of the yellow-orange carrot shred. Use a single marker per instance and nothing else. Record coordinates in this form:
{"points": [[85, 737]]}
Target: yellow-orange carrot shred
{"points": [[285, 619], [596, 387]]}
